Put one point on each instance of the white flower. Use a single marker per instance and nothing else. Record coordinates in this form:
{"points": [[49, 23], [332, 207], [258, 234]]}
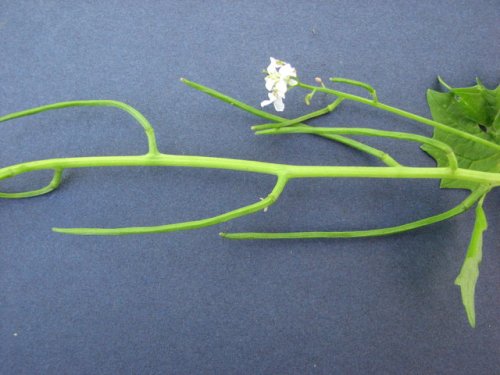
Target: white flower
{"points": [[280, 75]]}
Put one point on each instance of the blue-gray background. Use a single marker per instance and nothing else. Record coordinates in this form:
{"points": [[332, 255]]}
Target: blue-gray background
{"points": [[191, 302]]}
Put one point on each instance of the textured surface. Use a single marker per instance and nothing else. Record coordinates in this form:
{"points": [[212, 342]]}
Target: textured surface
{"points": [[191, 302]]}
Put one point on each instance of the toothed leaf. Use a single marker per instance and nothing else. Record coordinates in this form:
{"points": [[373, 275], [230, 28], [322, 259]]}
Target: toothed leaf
{"points": [[475, 110]]}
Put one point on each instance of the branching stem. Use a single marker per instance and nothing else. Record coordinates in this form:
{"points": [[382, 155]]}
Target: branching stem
{"points": [[139, 117], [443, 147], [381, 155], [457, 210], [402, 113], [283, 172]]}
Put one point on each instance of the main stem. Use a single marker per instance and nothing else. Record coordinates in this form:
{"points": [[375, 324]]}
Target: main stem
{"points": [[290, 171]]}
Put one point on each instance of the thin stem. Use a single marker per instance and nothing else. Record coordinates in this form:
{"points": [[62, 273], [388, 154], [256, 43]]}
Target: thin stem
{"points": [[323, 111], [188, 225], [54, 183], [148, 129], [383, 156], [353, 82], [447, 150], [442, 82], [457, 210], [402, 113], [379, 154]]}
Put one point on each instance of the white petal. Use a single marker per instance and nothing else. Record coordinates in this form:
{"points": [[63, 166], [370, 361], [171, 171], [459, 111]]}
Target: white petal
{"points": [[272, 66], [281, 88], [292, 82], [272, 99], [270, 82], [279, 105], [271, 69], [288, 71], [265, 102]]}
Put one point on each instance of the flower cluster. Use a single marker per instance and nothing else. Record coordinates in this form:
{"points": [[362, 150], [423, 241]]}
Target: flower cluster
{"points": [[280, 75]]}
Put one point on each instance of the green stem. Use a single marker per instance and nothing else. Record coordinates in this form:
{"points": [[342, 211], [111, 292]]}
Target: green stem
{"points": [[401, 113], [148, 129], [188, 225], [54, 183], [323, 111], [447, 150], [282, 171], [381, 155], [457, 210], [292, 171], [353, 82]]}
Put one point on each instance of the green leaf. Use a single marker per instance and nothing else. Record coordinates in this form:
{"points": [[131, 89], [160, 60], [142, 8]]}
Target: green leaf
{"points": [[467, 278], [475, 110]]}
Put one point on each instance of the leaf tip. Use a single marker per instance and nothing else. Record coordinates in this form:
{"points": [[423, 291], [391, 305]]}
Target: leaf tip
{"points": [[467, 292]]}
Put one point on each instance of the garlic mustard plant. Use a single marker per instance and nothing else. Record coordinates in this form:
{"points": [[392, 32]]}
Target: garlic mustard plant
{"points": [[466, 124]]}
